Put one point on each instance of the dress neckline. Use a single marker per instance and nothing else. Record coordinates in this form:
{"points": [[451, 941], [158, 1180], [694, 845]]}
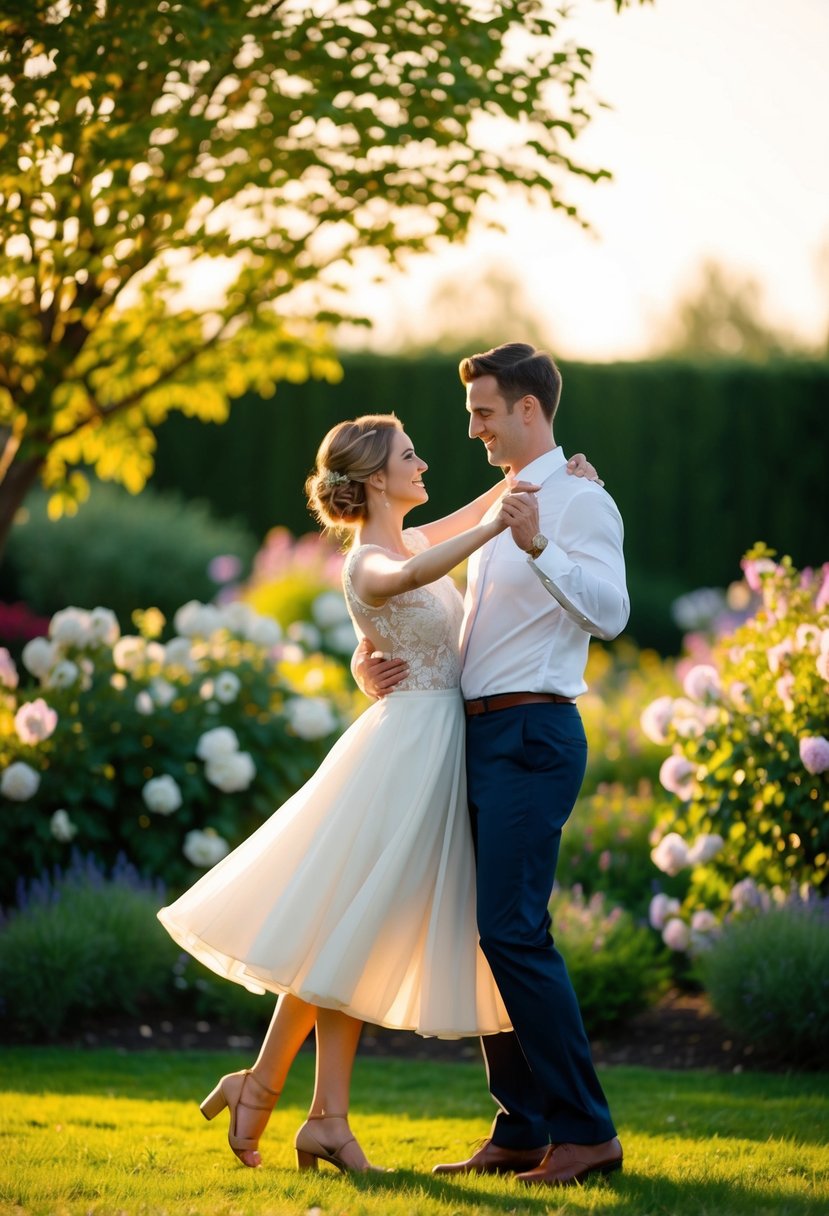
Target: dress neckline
{"points": [[368, 545]]}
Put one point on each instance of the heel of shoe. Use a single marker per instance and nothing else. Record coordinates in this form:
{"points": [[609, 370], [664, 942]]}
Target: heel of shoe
{"points": [[306, 1160], [214, 1103]]}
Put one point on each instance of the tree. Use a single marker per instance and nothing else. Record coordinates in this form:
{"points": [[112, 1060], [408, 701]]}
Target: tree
{"points": [[721, 317], [277, 141], [468, 311]]}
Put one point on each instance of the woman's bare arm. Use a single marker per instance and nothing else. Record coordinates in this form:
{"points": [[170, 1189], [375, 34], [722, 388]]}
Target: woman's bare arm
{"points": [[473, 512], [465, 517], [377, 575]]}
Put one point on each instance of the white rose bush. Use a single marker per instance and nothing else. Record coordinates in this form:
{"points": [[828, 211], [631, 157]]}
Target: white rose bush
{"points": [[749, 762], [167, 746]]}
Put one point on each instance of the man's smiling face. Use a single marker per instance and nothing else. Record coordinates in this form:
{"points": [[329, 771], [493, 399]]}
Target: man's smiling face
{"points": [[500, 430]]}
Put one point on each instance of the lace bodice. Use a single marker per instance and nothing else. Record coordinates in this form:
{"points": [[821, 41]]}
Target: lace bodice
{"points": [[421, 626]]}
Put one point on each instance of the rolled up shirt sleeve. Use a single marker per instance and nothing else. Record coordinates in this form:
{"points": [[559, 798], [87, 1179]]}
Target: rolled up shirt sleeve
{"points": [[584, 570]]}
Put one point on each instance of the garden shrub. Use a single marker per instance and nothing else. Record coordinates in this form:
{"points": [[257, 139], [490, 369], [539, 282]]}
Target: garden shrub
{"points": [[81, 943], [768, 978], [749, 762], [617, 967], [202, 994], [680, 412], [621, 680], [170, 753], [121, 550], [606, 846]]}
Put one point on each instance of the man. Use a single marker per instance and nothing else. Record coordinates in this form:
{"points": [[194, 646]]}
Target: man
{"points": [[535, 595]]}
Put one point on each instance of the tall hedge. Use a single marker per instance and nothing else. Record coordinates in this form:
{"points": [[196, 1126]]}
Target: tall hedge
{"points": [[702, 460]]}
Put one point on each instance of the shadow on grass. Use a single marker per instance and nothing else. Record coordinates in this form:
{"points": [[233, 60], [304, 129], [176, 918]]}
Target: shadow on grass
{"points": [[628, 1194]]}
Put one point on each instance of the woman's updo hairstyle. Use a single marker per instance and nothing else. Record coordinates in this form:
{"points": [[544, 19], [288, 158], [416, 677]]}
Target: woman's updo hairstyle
{"points": [[347, 457]]}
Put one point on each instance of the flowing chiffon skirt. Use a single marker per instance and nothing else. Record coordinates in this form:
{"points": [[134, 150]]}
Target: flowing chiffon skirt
{"points": [[359, 892]]}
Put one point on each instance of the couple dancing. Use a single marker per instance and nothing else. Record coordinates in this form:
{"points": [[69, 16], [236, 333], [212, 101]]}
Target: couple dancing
{"points": [[367, 897]]}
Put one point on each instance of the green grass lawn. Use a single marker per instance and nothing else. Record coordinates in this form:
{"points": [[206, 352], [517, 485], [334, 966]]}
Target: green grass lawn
{"points": [[100, 1132]]}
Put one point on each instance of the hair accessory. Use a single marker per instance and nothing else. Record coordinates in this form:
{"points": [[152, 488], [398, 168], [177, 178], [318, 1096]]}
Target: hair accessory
{"points": [[330, 478]]}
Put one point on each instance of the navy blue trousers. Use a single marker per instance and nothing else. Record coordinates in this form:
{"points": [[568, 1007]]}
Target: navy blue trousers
{"points": [[524, 769]]}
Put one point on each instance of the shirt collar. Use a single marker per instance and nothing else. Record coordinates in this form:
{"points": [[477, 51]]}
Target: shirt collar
{"points": [[542, 467]]}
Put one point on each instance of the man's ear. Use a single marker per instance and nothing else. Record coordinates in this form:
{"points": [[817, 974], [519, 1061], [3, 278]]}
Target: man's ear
{"points": [[529, 406]]}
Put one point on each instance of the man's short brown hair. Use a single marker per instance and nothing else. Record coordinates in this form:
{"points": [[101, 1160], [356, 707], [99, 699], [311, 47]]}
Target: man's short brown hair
{"points": [[520, 371]]}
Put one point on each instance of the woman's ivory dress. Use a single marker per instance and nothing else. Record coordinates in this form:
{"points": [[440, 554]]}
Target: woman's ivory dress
{"points": [[359, 892]]}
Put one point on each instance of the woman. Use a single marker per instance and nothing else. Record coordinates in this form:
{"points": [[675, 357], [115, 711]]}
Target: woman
{"points": [[355, 901]]}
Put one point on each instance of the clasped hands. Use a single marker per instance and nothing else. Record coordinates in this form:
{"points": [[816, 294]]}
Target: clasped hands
{"points": [[378, 674], [518, 511]]}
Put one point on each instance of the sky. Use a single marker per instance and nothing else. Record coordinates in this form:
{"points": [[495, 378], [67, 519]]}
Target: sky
{"points": [[718, 145]]}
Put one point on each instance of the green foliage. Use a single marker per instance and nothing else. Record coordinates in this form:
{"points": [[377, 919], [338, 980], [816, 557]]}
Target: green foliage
{"points": [[130, 711], [617, 967], [721, 317], [209, 997], [82, 944], [750, 812], [621, 679], [121, 551], [768, 978], [606, 847], [653, 431], [279, 144]]}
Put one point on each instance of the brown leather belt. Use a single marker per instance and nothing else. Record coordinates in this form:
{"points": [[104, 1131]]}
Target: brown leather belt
{"points": [[507, 700]]}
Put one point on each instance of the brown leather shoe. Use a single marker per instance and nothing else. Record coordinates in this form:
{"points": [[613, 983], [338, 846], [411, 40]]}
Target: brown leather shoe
{"points": [[566, 1164], [492, 1159]]}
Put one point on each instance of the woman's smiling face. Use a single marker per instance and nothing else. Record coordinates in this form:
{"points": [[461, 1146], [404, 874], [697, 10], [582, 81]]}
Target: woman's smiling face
{"points": [[404, 472]]}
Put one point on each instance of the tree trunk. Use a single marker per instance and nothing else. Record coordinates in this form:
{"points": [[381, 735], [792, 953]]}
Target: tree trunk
{"points": [[20, 477]]}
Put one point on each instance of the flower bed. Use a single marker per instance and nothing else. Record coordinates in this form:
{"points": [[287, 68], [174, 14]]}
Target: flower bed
{"points": [[170, 752], [749, 758]]}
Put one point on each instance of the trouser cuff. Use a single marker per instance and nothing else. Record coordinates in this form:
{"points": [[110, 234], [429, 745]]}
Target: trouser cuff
{"points": [[521, 1136]]}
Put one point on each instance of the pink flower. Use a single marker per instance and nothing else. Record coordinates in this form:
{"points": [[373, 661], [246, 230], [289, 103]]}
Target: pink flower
{"points": [[661, 908], [676, 935], [807, 637], [35, 721], [776, 653], [705, 848], [702, 682], [224, 568], [671, 854], [704, 921], [690, 719], [823, 665], [656, 718], [8, 671], [677, 776], [605, 860], [754, 569], [784, 688], [823, 594], [814, 752], [740, 696]]}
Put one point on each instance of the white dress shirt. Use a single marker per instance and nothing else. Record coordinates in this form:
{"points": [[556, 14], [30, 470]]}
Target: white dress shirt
{"points": [[527, 624]]}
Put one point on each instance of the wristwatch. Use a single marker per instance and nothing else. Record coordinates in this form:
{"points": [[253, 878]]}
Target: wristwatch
{"points": [[537, 545]]}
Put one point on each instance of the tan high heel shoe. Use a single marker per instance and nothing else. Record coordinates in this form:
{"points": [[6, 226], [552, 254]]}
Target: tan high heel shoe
{"points": [[310, 1149], [230, 1092]]}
